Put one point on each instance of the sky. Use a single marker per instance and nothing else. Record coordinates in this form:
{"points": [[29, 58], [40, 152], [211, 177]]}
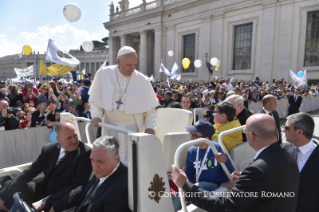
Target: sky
{"points": [[34, 22]]}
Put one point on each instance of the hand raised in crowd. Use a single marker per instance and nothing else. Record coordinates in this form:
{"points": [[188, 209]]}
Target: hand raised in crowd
{"points": [[95, 121]]}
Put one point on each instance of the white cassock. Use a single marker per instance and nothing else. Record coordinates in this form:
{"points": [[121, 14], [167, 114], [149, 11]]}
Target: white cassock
{"points": [[137, 112]]}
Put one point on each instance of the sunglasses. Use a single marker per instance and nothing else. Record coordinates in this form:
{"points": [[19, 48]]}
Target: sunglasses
{"points": [[44, 89]]}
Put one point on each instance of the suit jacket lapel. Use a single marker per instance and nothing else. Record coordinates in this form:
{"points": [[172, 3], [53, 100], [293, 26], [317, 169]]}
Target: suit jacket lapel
{"points": [[54, 159], [311, 163], [67, 160]]}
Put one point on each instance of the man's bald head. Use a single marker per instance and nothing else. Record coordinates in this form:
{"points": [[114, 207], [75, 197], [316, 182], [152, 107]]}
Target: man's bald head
{"points": [[263, 128], [269, 102]]}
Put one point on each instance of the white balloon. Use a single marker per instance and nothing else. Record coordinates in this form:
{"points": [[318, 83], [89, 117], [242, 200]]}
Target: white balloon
{"points": [[170, 53], [214, 61], [72, 12], [87, 46], [198, 63]]}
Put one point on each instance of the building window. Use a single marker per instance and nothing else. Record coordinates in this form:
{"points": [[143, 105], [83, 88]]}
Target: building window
{"points": [[242, 47], [312, 40], [189, 52]]}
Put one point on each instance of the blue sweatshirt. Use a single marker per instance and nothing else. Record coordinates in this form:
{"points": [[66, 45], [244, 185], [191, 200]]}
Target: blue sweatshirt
{"points": [[210, 172]]}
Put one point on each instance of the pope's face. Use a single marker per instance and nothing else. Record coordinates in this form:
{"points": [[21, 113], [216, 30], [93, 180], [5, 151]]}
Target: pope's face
{"points": [[127, 63]]}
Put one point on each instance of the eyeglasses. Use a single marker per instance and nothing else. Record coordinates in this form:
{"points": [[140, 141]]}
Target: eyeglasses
{"points": [[195, 136], [44, 89], [19, 105], [215, 111], [245, 131]]}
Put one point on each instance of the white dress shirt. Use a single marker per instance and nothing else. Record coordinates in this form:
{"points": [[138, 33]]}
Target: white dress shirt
{"points": [[259, 151], [304, 154]]}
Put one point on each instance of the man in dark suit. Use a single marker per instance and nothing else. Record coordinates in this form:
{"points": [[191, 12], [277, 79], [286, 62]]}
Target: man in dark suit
{"points": [[84, 93], [299, 130], [294, 102], [273, 172], [108, 189], [168, 98], [269, 107], [65, 165]]}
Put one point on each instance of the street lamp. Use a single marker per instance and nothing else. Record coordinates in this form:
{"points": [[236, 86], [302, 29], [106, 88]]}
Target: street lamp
{"points": [[209, 66]]}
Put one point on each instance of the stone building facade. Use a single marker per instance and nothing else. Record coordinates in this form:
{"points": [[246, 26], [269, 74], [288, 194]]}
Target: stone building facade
{"points": [[90, 61], [264, 38]]}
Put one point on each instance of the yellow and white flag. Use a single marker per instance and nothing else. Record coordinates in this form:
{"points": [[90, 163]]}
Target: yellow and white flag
{"points": [[54, 70], [43, 69], [57, 55]]}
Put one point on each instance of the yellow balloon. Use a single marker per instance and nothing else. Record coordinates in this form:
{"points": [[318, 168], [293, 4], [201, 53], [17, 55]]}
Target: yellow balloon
{"points": [[27, 49], [186, 62]]}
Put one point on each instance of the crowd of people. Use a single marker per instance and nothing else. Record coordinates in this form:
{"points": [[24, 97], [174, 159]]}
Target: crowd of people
{"points": [[132, 105], [32, 104]]}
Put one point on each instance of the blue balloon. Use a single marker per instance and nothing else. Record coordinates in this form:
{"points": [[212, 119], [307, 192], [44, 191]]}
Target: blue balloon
{"points": [[300, 74], [52, 137]]}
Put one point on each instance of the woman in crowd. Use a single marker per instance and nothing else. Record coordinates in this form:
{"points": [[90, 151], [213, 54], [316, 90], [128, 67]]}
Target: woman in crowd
{"points": [[54, 88], [14, 95], [40, 116], [44, 90], [25, 107]]}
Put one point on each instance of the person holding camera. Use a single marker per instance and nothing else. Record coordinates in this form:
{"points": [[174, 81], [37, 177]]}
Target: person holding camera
{"points": [[30, 94], [8, 120], [41, 115]]}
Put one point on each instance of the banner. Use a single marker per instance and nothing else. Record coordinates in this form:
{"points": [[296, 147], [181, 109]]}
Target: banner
{"points": [[59, 70], [24, 72], [57, 55], [43, 69], [54, 70]]}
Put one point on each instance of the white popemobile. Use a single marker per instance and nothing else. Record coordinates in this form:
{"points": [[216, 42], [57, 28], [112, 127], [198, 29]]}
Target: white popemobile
{"points": [[150, 159]]}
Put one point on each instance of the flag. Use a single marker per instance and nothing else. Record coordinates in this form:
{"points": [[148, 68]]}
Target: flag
{"points": [[178, 77], [43, 69], [231, 80], [57, 55], [59, 70], [152, 78], [103, 65], [297, 80], [163, 69], [217, 66], [24, 72], [174, 69]]}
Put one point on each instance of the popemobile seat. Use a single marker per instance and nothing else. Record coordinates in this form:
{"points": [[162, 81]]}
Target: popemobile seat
{"points": [[172, 120], [242, 155]]}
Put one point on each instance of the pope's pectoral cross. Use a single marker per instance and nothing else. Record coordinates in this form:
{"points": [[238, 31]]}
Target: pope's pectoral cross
{"points": [[119, 103]]}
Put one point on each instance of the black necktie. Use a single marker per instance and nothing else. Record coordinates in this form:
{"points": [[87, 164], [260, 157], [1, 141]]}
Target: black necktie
{"points": [[62, 159], [270, 114], [90, 194]]}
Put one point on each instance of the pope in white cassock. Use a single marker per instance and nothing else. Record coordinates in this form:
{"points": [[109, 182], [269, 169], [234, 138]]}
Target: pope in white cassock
{"points": [[122, 96]]}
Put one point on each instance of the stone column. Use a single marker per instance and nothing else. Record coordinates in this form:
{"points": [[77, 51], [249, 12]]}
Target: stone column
{"points": [[284, 40], [129, 41], [170, 45], [157, 53], [267, 41], [123, 40], [143, 53], [217, 43], [204, 47], [111, 50]]}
